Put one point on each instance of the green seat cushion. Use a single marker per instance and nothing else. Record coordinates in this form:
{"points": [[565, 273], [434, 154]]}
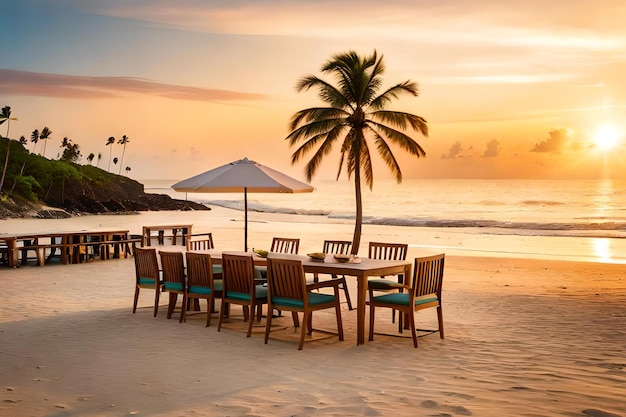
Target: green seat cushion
{"points": [[146, 281], [261, 293], [314, 299], [195, 289], [217, 269], [402, 299], [173, 286], [218, 285], [383, 284]]}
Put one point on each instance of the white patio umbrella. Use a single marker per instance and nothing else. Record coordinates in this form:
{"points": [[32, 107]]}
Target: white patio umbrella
{"points": [[244, 176]]}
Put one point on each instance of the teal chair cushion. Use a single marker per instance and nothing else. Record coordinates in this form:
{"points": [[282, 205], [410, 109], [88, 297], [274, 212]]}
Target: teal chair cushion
{"points": [[218, 285], [383, 284], [261, 293], [402, 299], [314, 299], [195, 289], [173, 286], [217, 269], [146, 281]]}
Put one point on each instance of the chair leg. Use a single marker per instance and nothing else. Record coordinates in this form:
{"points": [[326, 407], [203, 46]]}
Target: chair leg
{"points": [[344, 286], [372, 309], [440, 318], [223, 308], [303, 331], [296, 319], [157, 297], [183, 309], [339, 321], [268, 325], [250, 321], [136, 299], [209, 309], [413, 330], [172, 304]]}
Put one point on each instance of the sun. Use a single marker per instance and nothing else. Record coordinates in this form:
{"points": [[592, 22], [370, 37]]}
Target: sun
{"points": [[607, 137]]}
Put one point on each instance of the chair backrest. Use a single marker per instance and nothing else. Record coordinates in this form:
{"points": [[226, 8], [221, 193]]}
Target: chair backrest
{"points": [[202, 241], [341, 247], [173, 267], [285, 245], [387, 251], [285, 278], [146, 264], [428, 275], [238, 273], [199, 270]]}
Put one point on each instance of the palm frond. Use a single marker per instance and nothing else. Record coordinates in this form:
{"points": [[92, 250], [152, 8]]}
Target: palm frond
{"points": [[399, 138], [402, 120], [390, 160]]}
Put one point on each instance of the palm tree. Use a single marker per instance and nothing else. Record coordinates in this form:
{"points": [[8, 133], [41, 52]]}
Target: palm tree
{"points": [[34, 137], [115, 160], [125, 139], [45, 135], [110, 141], [98, 161], [354, 118], [5, 116], [90, 158], [23, 141], [127, 170]]}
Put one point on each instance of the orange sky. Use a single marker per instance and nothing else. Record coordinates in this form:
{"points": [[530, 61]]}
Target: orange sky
{"points": [[510, 89]]}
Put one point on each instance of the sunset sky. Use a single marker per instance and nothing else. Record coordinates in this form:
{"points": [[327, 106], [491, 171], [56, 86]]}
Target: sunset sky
{"points": [[515, 89]]}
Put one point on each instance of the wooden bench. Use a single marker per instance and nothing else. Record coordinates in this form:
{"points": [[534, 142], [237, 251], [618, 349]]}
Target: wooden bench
{"points": [[121, 248]]}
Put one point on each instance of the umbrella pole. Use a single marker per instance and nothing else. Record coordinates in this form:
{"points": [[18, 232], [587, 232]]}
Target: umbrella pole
{"points": [[245, 209]]}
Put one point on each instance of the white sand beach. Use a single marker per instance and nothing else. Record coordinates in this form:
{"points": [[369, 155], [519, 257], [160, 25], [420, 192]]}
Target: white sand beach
{"points": [[524, 337]]}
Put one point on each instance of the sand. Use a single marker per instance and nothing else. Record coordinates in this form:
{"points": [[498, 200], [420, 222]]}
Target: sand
{"points": [[524, 337]]}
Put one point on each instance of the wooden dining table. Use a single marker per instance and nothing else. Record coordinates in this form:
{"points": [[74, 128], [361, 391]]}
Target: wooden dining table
{"points": [[359, 268]]}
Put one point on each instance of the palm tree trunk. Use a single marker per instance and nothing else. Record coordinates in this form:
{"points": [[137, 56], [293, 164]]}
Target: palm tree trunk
{"points": [[358, 221], [6, 160]]}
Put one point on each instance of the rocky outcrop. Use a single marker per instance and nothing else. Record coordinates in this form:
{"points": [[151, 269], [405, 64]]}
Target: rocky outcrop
{"points": [[115, 195]]}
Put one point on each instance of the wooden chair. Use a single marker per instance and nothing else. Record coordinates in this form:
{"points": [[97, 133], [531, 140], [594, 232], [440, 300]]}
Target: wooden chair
{"points": [[200, 282], [288, 290], [341, 247], [174, 281], [424, 292], [147, 275], [203, 242], [241, 287], [390, 252], [285, 245], [200, 241]]}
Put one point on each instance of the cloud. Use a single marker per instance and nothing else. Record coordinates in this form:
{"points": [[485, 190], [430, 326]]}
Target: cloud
{"points": [[554, 144], [453, 152], [493, 149], [85, 87]]}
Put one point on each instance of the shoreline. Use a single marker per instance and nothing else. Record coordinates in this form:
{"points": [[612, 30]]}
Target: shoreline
{"points": [[227, 227]]}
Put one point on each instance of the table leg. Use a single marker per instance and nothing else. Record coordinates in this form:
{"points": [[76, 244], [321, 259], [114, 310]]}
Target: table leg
{"points": [[360, 308]]}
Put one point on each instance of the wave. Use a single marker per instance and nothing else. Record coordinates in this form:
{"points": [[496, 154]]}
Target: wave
{"points": [[609, 229]]}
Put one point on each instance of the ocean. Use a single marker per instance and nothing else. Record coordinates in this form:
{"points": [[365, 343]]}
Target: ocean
{"points": [[549, 219]]}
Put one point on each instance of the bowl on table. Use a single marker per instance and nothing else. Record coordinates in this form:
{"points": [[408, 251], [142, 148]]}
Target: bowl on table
{"points": [[342, 258], [317, 256]]}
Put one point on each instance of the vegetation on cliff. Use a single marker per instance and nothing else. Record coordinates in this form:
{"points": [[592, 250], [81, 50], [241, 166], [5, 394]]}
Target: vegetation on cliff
{"points": [[32, 180]]}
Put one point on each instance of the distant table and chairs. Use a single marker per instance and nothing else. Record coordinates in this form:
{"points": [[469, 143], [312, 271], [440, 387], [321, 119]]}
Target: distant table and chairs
{"points": [[67, 247]]}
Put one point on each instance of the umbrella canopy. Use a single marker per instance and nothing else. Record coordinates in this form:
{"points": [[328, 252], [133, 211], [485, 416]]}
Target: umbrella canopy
{"points": [[244, 176]]}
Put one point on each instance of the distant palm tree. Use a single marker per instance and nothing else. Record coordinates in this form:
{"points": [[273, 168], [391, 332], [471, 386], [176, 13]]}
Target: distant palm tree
{"points": [[127, 170], [45, 135], [355, 115], [5, 116], [90, 158], [23, 141], [99, 158], [34, 137], [115, 160], [111, 141], [125, 139]]}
